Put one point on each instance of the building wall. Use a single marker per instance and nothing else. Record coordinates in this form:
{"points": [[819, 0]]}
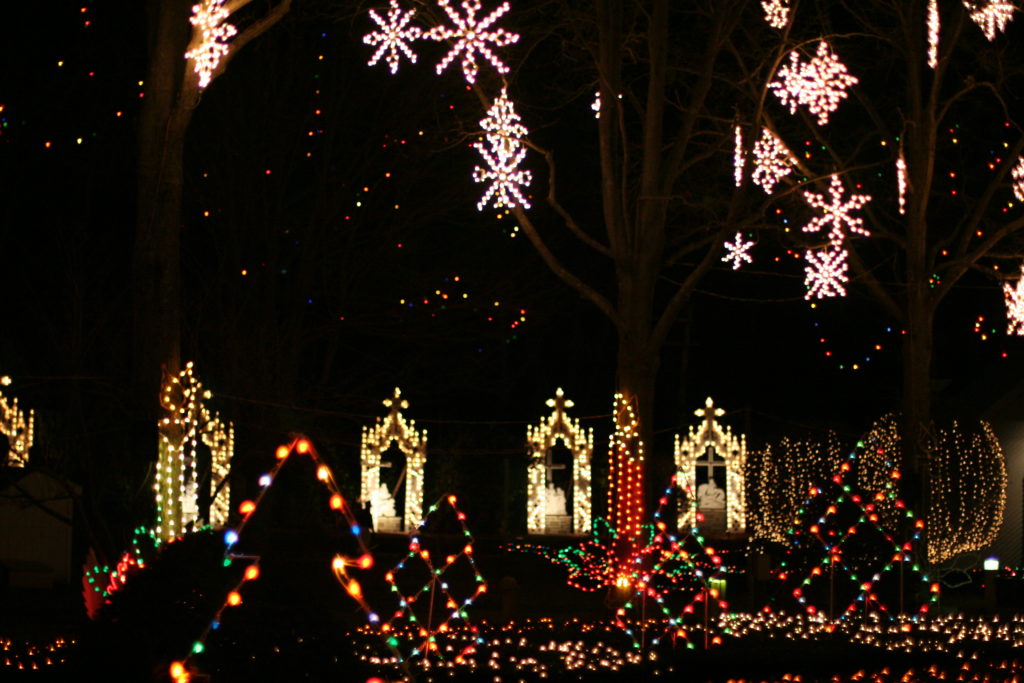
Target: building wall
{"points": [[1007, 546], [35, 547]]}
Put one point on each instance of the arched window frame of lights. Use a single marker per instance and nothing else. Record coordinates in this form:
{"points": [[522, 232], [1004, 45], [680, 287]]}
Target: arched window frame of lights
{"points": [[185, 423], [732, 448], [541, 438], [17, 427], [394, 428]]}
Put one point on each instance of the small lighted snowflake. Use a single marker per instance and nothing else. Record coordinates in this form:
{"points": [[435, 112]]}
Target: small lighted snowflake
{"points": [[1018, 179], [213, 32], [471, 37], [825, 274], [505, 178], [394, 36], [1013, 292], [738, 251], [992, 16], [820, 84], [776, 12], [772, 161], [837, 212]]}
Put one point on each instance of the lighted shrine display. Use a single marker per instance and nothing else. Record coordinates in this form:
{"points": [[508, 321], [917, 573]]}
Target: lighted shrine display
{"points": [[547, 508], [16, 426], [393, 432], [187, 425], [709, 465]]}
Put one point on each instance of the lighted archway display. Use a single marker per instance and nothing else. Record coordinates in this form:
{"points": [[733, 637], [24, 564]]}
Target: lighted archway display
{"points": [[17, 427], [542, 438], [393, 429], [715, 449], [187, 422]]}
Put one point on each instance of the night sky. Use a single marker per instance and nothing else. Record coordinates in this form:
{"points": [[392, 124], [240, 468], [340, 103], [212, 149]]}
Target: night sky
{"points": [[333, 251]]}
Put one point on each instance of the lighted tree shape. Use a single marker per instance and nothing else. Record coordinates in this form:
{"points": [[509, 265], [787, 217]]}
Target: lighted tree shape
{"points": [[394, 36], [845, 543], [429, 606], [471, 37]]}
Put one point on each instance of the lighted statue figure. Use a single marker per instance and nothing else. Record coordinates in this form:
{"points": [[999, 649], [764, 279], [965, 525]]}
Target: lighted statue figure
{"points": [[710, 496], [556, 504], [383, 502]]}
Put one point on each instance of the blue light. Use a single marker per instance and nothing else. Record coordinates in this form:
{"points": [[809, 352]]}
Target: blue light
{"points": [[230, 537]]}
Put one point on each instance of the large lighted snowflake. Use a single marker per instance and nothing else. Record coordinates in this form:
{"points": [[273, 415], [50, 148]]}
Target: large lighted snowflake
{"points": [[1013, 292], [776, 12], [991, 15], [502, 124], [503, 152], [738, 251], [819, 84], [209, 42], [826, 272], [1018, 179], [837, 212], [393, 37], [471, 36], [772, 161]]}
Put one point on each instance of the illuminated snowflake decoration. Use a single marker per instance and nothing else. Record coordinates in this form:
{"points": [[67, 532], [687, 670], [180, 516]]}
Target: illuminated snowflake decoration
{"points": [[819, 84], [901, 181], [737, 157], [776, 12], [210, 38], [933, 33], [1014, 295], [772, 161], [471, 37], [992, 16], [1018, 179], [738, 252], [503, 152], [837, 212], [393, 37], [826, 272]]}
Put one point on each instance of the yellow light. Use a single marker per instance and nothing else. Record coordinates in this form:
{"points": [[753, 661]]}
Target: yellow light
{"points": [[302, 446], [234, 598]]}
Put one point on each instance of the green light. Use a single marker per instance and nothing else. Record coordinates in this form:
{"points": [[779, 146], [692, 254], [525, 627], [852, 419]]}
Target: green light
{"points": [[198, 647]]}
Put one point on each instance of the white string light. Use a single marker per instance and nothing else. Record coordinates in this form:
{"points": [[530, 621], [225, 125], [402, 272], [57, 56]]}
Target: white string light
{"points": [[992, 16], [394, 429], [471, 37], [503, 153], [772, 161], [738, 252], [933, 33], [393, 37], [1013, 293], [596, 105], [17, 427], [901, 181], [738, 160], [1018, 179], [776, 12], [210, 35], [819, 84], [541, 439]]}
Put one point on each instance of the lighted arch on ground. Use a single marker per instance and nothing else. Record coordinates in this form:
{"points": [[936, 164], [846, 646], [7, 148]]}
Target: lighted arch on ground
{"points": [[543, 437], [394, 428], [732, 448]]}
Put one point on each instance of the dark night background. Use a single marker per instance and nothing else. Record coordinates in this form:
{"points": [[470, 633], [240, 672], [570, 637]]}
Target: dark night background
{"points": [[334, 192]]}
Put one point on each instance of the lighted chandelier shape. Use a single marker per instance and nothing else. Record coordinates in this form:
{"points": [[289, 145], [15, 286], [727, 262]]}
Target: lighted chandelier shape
{"points": [[17, 427], [394, 36], [471, 37], [210, 36], [819, 84]]}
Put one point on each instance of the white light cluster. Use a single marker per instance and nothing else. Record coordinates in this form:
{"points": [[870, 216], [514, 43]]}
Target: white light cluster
{"points": [[503, 151], [394, 429], [933, 33], [187, 422], [1013, 293], [901, 181], [776, 12], [738, 252], [731, 448], [17, 427], [541, 439], [393, 37], [991, 15], [968, 491], [472, 36], [819, 84], [210, 35], [738, 159], [772, 161], [826, 270], [1018, 179]]}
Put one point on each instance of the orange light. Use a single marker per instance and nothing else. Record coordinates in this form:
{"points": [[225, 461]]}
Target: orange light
{"points": [[302, 446], [366, 561], [336, 501], [178, 672], [247, 507], [234, 598], [282, 452], [451, 499], [252, 572], [322, 473]]}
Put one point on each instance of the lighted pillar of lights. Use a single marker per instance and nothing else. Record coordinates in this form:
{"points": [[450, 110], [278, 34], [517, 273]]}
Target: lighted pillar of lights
{"points": [[626, 473]]}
